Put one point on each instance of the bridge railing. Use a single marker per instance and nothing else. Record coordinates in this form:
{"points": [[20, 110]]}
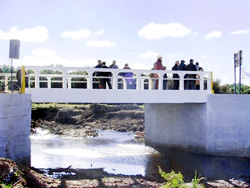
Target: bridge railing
{"points": [[5, 79], [87, 78]]}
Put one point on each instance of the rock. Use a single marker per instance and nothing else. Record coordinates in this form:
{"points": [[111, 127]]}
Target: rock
{"points": [[122, 130]]}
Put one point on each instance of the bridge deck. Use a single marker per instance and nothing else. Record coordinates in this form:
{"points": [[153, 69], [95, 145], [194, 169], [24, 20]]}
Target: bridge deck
{"points": [[116, 96]]}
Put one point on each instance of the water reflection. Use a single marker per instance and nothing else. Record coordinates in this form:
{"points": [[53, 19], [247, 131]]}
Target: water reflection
{"points": [[209, 166], [119, 153]]}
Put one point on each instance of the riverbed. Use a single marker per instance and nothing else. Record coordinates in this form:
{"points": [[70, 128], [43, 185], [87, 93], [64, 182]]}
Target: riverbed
{"points": [[120, 153]]}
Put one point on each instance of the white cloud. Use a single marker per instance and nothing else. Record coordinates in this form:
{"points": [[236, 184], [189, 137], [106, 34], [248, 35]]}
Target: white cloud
{"points": [[99, 33], [158, 31], [214, 34], [149, 55], [195, 33], [240, 32], [81, 34], [204, 57], [101, 43], [37, 34], [47, 57]]}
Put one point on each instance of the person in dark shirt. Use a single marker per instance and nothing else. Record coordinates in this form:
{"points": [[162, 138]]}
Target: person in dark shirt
{"points": [[176, 76], [105, 80], [182, 67], [96, 83], [165, 82], [191, 77]]}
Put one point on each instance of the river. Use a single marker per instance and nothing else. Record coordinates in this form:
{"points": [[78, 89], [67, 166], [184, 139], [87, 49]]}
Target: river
{"points": [[120, 153]]}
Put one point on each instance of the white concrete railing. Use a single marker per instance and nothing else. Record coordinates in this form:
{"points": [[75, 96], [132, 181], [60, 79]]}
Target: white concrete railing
{"points": [[5, 79], [66, 85], [141, 77]]}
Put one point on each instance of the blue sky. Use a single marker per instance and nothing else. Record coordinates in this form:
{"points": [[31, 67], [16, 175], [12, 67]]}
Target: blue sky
{"points": [[79, 32]]}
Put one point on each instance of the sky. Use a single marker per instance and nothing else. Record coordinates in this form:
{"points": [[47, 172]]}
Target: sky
{"points": [[76, 33]]}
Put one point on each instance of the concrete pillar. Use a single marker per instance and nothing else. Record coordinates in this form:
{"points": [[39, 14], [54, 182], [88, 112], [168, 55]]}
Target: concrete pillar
{"points": [[228, 130], [15, 121], [176, 125], [219, 127]]}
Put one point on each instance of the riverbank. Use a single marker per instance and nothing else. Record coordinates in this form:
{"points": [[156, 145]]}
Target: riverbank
{"points": [[16, 176], [85, 120]]}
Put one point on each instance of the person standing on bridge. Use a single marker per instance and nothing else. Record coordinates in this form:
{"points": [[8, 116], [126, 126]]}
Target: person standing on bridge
{"points": [[113, 65], [197, 81], [191, 77], [176, 76], [165, 81], [96, 83], [105, 80], [157, 66], [182, 67], [128, 76]]}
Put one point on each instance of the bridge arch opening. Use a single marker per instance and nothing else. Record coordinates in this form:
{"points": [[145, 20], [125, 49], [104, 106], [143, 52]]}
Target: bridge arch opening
{"points": [[77, 79]]}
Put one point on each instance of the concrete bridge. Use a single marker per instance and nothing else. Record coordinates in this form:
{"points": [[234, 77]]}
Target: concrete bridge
{"points": [[194, 120], [75, 85]]}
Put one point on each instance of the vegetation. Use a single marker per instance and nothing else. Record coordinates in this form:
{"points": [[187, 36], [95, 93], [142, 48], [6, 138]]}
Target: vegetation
{"points": [[176, 180], [229, 88], [57, 105], [6, 185]]}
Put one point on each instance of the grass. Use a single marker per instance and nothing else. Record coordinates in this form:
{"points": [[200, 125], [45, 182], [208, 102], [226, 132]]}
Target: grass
{"points": [[61, 105], [6, 185], [57, 105]]}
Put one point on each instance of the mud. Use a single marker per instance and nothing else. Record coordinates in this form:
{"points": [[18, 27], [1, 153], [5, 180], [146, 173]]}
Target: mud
{"points": [[85, 121]]}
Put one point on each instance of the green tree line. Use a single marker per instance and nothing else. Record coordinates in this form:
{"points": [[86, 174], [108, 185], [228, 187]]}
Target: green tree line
{"points": [[229, 88]]}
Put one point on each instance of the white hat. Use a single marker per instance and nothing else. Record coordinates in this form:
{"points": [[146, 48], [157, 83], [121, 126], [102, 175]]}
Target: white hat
{"points": [[159, 56]]}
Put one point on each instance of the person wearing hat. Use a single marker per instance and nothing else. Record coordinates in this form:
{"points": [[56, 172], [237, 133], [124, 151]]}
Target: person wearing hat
{"points": [[157, 66]]}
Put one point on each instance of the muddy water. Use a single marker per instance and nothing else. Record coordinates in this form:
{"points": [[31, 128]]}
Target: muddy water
{"points": [[119, 153]]}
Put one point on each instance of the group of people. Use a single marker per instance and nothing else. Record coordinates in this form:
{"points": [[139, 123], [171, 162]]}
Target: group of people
{"points": [[104, 76], [192, 81]]}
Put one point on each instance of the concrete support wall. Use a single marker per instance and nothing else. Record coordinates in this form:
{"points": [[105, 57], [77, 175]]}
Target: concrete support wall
{"points": [[228, 130], [15, 121], [221, 126], [176, 125]]}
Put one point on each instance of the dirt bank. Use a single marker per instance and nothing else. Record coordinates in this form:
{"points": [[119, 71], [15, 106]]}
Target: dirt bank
{"points": [[21, 176], [86, 120], [17, 176]]}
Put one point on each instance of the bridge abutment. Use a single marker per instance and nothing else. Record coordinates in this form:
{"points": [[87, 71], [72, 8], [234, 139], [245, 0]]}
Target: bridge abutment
{"points": [[15, 121], [220, 127]]}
